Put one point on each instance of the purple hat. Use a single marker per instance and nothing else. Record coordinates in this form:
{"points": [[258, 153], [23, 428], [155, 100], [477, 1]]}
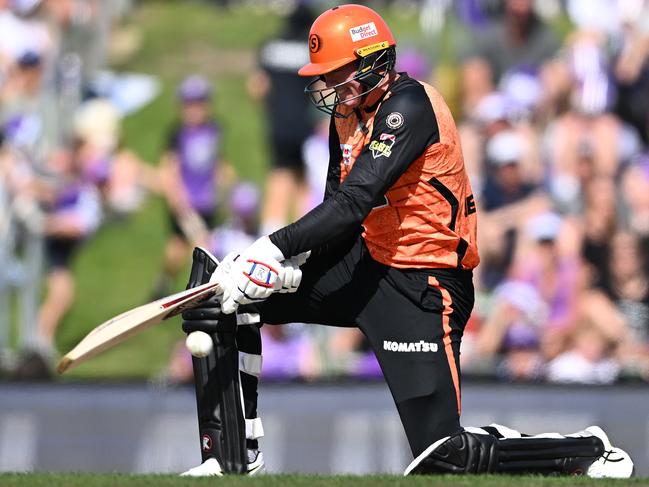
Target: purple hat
{"points": [[413, 62], [521, 336], [244, 200], [194, 88], [29, 59]]}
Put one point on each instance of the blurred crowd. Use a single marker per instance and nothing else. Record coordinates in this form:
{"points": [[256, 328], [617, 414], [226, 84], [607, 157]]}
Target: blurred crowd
{"points": [[552, 104], [63, 171], [555, 138]]}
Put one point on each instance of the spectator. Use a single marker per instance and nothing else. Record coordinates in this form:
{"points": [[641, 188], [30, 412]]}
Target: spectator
{"points": [[493, 114], [289, 118], [191, 171], [599, 223], [554, 269], [587, 361], [507, 200], [73, 214], [587, 123], [628, 283], [519, 40], [119, 174], [512, 333]]}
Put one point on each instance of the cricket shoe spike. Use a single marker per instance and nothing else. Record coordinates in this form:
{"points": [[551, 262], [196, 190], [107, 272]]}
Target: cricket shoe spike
{"points": [[613, 463], [211, 467]]}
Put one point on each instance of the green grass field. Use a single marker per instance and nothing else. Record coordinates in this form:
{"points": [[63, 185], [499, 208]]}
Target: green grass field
{"points": [[113, 480]]}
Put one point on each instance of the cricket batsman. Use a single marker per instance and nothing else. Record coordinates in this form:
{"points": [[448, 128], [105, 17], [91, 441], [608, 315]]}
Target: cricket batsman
{"points": [[390, 249]]}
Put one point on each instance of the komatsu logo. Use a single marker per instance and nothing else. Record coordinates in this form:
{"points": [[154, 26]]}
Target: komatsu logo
{"points": [[420, 346]]}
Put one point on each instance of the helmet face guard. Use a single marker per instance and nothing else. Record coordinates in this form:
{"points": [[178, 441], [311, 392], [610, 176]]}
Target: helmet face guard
{"points": [[371, 73]]}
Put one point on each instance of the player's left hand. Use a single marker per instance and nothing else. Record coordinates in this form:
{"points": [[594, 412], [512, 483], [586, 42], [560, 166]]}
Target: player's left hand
{"points": [[290, 276], [253, 276]]}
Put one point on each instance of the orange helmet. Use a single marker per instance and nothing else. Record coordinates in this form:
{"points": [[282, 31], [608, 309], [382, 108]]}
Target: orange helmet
{"points": [[344, 34]]}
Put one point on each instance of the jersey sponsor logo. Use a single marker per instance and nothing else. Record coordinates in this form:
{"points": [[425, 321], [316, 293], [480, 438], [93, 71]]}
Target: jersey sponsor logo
{"points": [[408, 347], [394, 120], [314, 43], [364, 51], [383, 146], [347, 153], [364, 31]]}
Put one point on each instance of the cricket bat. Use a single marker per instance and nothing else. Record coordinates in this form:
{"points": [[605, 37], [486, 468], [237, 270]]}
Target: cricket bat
{"points": [[133, 322]]}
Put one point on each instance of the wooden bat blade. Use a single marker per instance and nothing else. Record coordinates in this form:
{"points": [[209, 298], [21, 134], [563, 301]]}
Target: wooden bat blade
{"points": [[133, 322]]}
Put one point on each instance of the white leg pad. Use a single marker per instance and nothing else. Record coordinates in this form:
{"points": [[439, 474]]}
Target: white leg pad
{"points": [[254, 429], [248, 318], [505, 431], [475, 430], [250, 363]]}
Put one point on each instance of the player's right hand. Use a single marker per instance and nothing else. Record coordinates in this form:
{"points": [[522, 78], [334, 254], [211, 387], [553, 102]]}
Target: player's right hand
{"points": [[252, 276], [258, 272]]}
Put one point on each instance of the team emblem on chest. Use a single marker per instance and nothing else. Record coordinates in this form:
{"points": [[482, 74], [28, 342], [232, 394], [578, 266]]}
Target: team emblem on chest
{"points": [[383, 146]]}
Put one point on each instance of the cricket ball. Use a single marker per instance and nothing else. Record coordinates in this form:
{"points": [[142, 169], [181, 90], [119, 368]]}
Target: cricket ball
{"points": [[199, 344]]}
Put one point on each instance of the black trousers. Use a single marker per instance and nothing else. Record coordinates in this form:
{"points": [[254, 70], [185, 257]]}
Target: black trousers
{"points": [[413, 319]]}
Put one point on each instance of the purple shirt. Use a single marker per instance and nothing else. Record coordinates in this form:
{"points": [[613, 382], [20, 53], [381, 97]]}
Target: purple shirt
{"points": [[67, 197], [197, 149], [79, 200], [559, 298]]}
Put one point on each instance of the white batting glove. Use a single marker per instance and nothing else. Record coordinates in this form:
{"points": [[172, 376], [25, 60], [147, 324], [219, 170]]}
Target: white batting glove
{"points": [[290, 274], [254, 275], [290, 277], [300, 259], [222, 275]]}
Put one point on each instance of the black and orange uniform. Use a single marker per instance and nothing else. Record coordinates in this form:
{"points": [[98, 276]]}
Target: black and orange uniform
{"points": [[393, 247], [396, 169]]}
